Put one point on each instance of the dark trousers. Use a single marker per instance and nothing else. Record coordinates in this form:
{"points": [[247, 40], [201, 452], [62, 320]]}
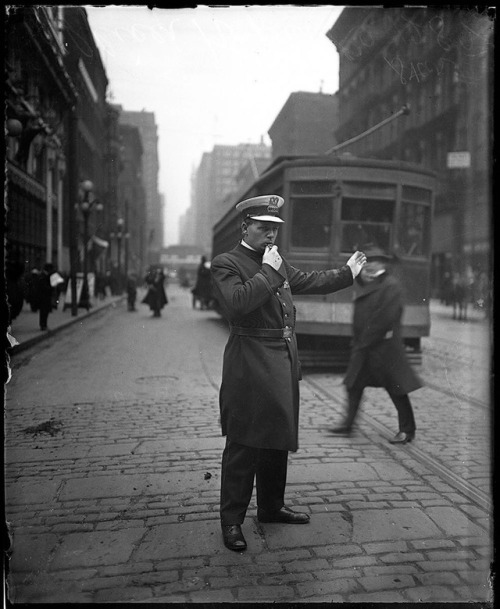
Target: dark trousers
{"points": [[240, 466], [406, 419], [44, 316]]}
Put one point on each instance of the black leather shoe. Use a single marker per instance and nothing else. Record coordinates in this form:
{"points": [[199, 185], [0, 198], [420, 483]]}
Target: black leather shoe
{"points": [[285, 515], [233, 537], [341, 431], [402, 438]]}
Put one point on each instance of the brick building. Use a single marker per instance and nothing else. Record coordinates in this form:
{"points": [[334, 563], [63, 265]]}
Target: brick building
{"points": [[305, 125], [438, 62]]}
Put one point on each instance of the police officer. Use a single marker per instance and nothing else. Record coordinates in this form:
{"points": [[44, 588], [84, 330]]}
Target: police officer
{"points": [[378, 357], [259, 394]]}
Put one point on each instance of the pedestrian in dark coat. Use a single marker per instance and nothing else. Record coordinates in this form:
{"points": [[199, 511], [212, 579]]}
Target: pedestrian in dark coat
{"points": [[202, 290], [44, 294], [131, 291], [156, 296], [378, 357], [259, 394]]}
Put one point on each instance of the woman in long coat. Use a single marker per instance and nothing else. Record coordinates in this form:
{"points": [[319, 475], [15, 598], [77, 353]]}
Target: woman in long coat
{"points": [[259, 394], [378, 357], [156, 296]]}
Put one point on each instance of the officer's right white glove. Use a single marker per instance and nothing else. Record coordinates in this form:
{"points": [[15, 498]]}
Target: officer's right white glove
{"points": [[271, 256], [356, 262]]}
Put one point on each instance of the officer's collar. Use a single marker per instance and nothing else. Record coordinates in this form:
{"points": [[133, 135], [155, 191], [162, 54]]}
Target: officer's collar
{"points": [[245, 244]]}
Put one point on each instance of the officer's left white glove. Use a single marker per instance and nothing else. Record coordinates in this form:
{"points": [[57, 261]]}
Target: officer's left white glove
{"points": [[271, 256], [356, 262]]}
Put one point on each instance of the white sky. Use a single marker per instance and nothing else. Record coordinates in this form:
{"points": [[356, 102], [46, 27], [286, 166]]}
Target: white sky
{"points": [[211, 76]]}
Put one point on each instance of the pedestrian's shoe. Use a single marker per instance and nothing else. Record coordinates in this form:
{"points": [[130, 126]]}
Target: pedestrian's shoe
{"points": [[341, 431], [233, 537], [285, 515], [402, 438]]}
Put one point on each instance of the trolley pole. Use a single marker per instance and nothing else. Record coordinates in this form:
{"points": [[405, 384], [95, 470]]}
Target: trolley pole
{"points": [[404, 110]]}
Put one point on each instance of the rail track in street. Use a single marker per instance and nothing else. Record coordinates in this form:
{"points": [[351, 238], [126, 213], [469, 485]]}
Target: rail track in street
{"points": [[376, 425]]}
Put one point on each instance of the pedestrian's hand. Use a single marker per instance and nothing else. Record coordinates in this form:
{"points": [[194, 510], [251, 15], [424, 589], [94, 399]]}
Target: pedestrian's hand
{"points": [[356, 262], [271, 256]]}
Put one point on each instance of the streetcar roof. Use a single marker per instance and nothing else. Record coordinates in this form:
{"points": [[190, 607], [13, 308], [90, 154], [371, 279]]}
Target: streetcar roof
{"points": [[342, 160]]}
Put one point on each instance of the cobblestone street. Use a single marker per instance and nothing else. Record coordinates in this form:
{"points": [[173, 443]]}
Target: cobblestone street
{"points": [[115, 498]]}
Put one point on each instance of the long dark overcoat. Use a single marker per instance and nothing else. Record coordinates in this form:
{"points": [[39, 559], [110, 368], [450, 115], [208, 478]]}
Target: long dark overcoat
{"points": [[378, 357], [156, 297], [259, 395]]}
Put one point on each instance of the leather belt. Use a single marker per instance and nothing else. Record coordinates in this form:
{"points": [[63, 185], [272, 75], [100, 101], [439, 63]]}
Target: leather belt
{"points": [[263, 332]]}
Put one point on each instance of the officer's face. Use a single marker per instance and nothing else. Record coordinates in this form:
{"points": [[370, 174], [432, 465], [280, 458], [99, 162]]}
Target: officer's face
{"points": [[260, 234]]}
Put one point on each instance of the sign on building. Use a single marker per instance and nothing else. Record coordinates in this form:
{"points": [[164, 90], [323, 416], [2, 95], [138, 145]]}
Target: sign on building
{"points": [[458, 160]]}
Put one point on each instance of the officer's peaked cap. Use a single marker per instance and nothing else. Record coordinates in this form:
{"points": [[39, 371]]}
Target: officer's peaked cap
{"points": [[264, 208]]}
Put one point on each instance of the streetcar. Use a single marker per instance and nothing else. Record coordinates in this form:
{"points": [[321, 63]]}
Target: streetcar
{"points": [[335, 205]]}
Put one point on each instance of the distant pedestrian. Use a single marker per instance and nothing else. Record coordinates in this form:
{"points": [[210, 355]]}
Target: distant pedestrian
{"points": [[460, 295], [45, 294], [446, 289], [31, 282], [100, 286], [131, 291], [259, 394], [202, 291], [378, 357], [156, 296]]}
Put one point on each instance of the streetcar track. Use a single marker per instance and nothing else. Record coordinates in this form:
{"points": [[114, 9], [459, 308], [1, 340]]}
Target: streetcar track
{"points": [[476, 495]]}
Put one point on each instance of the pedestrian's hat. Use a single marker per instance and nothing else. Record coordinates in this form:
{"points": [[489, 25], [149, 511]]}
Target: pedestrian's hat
{"points": [[372, 252], [264, 208]]}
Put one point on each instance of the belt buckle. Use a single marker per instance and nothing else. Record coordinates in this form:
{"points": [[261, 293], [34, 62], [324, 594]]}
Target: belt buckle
{"points": [[287, 332]]}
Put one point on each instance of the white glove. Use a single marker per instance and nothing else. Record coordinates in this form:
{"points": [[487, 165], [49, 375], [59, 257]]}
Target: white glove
{"points": [[356, 262], [271, 256]]}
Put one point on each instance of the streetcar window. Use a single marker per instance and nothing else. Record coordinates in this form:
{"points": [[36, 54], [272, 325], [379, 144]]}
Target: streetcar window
{"points": [[311, 222], [365, 222], [316, 187], [372, 190], [414, 229], [416, 195]]}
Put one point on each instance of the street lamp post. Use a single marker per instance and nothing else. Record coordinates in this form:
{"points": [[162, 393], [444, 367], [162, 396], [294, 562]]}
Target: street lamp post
{"points": [[119, 236], [86, 205], [127, 237]]}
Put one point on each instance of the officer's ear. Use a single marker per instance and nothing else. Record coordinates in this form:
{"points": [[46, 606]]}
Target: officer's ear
{"points": [[244, 227]]}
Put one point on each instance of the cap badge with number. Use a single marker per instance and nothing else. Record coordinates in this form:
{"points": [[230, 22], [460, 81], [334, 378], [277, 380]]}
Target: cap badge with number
{"points": [[264, 208]]}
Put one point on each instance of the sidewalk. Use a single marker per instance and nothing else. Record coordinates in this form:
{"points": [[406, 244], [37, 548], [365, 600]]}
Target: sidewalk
{"points": [[25, 329], [441, 311]]}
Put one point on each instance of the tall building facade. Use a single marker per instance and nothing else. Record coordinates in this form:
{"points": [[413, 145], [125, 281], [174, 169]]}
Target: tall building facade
{"points": [[65, 136], [305, 125], [439, 63], [90, 146], [216, 178], [40, 96], [127, 246], [145, 122]]}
